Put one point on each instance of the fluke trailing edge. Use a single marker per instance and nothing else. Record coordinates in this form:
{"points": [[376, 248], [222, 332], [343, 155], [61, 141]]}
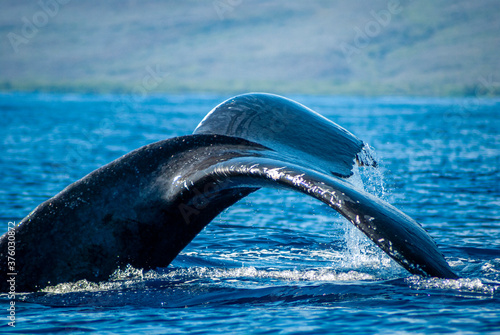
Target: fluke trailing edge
{"points": [[145, 207]]}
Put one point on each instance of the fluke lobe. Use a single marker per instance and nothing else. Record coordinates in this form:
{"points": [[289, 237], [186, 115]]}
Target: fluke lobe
{"points": [[145, 207]]}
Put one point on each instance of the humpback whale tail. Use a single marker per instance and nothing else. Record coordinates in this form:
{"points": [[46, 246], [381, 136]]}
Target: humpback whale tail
{"points": [[145, 207]]}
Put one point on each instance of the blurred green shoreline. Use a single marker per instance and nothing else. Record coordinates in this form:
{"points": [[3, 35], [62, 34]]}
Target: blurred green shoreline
{"points": [[312, 88], [355, 48]]}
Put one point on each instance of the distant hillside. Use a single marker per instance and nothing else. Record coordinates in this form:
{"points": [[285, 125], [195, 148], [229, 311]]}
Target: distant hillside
{"points": [[316, 47]]}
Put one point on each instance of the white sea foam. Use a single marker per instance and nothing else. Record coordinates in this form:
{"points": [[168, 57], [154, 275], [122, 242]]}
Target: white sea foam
{"points": [[131, 277], [315, 275], [465, 285]]}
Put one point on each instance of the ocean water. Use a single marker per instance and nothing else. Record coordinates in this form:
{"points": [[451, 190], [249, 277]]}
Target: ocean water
{"points": [[278, 261]]}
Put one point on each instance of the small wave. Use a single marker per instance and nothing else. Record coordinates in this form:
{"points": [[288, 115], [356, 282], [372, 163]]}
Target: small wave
{"points": [[200, 286], [129, 277], [314, 275]]}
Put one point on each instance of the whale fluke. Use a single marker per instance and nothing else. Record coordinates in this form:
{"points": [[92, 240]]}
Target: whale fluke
{"points": [[289, 128], [145, 207]]}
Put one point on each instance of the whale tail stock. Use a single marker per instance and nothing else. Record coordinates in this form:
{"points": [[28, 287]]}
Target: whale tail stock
{"points": [[145, 207]]}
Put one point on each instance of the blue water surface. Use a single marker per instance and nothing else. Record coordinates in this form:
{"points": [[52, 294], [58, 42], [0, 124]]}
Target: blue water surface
{"points": [[278, 261]]}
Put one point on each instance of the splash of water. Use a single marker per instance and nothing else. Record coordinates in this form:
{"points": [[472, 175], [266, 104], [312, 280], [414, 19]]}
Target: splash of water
{"points": [[367, 175], [360, 251]]}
